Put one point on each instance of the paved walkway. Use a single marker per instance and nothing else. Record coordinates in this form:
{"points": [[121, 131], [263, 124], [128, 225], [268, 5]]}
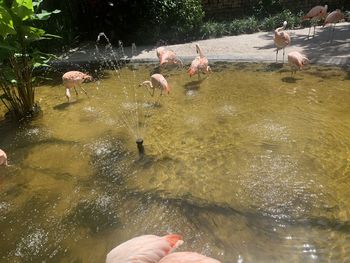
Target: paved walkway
{"points": [[250, 47]]}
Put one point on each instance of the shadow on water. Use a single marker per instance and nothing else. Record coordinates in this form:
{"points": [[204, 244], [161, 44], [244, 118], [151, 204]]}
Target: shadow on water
{"points": [[193, 85], [64, 105], [290, 79]]}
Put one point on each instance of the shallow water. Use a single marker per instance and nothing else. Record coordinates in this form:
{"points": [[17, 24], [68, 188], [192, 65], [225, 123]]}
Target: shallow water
{"points": [[248, 164]]}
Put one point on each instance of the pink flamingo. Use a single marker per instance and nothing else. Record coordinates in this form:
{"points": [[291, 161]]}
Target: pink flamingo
{"points": [[167, 57], [200, 63], [144, 249], [187, 257], [333, 18], [73, 79], [157, 81], [316, 13], [3, 158], [297, 61], [281, 39]]}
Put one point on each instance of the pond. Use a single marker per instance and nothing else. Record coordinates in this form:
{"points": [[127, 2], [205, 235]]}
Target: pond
{"points": [[247, 164]]}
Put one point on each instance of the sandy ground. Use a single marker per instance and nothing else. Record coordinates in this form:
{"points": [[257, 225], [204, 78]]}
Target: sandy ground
{"points": [[249, 47]]}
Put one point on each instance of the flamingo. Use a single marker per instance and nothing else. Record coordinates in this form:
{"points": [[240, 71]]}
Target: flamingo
{"points": [[144, 249], [333, 18], [3, 158], [200, 63], [187, 257], [281, 39], [297, 61], [157, 81], [167, 57], [73, 79], [316, 13]]}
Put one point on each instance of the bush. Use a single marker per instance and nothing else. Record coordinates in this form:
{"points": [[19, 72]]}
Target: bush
{"points": [[173, 19], [19, 54]]}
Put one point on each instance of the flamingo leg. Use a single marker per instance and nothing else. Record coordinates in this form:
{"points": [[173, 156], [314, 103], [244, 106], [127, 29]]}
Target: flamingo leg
{"points": [[84, 91], [283, 54], [330, 32], [76, 92], [308, 35], [332, 36], [276, 54], [314, 31]]}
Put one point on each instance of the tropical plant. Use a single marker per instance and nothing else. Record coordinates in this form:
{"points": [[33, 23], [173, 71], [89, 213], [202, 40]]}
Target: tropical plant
{"points": [[19, 54]]}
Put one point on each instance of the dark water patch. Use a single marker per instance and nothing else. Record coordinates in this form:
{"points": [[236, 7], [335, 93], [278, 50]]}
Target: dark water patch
{"points": [[96, 214], [109, 159]]}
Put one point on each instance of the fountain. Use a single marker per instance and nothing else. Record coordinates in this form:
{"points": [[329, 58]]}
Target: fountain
{"points": [[132, 119]]}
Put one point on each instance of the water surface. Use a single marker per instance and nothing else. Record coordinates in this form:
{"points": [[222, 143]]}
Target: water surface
{"points": [[248, 164]]}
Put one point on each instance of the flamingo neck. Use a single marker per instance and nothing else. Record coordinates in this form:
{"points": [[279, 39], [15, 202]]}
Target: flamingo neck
{"points": [[201, 55]]}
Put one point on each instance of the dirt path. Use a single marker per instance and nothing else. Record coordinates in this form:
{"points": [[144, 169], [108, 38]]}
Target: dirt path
{"points": [[250, 47]]}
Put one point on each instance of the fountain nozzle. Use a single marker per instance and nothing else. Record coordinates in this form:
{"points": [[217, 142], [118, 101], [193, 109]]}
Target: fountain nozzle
{"points": [[139, 142]]}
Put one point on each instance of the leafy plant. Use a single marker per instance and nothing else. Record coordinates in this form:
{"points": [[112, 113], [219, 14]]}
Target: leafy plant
{"points": [[19, 55]]}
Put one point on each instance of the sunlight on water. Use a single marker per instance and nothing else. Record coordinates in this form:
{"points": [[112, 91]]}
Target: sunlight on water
{"points": [[248, 164]]}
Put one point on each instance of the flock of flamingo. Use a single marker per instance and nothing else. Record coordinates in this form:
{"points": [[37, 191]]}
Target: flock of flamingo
{"points": [[155, 249], [282, 38]]}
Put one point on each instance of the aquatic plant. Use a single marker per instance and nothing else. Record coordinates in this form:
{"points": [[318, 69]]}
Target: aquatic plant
{"points": [[19, 54]]}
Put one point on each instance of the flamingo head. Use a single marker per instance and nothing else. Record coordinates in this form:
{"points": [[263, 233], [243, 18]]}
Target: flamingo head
{"points": [[305, 61], [198, 50]]}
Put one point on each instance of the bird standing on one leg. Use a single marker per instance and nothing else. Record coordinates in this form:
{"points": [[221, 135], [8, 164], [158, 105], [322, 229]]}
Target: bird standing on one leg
{"points": [[297, 61], [315, 14], [333, 18], [281, 39], [73, 79], [199, 64]]}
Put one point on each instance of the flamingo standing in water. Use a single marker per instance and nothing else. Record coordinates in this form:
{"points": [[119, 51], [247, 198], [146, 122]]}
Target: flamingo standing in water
{"points": [[157, 81], [3, 158], [73, 79], [167, 57], [200, 63], [187, 257], [333, 18], [297, 61], [281, 39], [315, 14], [144, 249]]}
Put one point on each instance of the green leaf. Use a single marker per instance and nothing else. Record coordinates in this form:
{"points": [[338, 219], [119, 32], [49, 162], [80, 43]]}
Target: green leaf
{"points": [[37, 3], [33, 33], [50, 36], [23, 8], [6, 23]]}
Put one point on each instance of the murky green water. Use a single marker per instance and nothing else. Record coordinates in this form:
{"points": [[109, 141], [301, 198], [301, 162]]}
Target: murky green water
{"points": [[248, 165]]}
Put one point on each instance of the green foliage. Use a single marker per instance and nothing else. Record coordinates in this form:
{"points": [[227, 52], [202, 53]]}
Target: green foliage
{"points": [[19, 55], [264, 8], [172, 19], [248, 25]]}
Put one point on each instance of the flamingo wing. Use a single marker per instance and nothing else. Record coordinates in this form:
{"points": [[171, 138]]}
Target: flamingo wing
{"points": [[144, 249], [187, 257]]}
